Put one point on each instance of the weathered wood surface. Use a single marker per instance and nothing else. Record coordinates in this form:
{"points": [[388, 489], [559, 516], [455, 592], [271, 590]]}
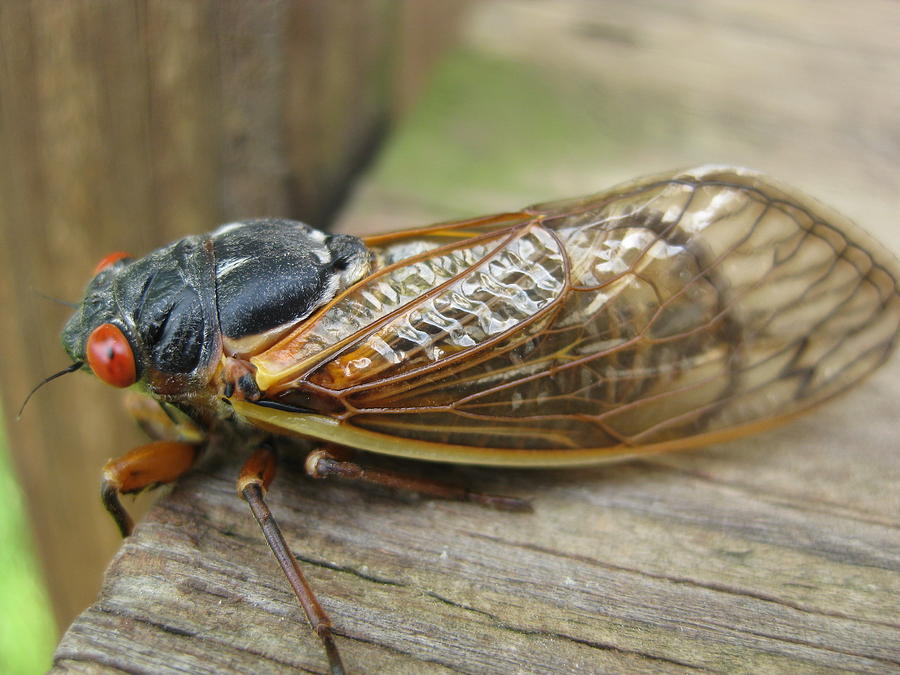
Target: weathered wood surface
{"points": [[124, 125], [778, 553]]}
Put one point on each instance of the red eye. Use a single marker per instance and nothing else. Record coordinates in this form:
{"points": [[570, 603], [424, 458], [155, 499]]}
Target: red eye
{"points": [[109, 261], [110, 357]]}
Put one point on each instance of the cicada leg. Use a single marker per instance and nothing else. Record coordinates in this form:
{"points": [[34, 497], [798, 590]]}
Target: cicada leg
{"points": [[146, 466], [161, 421], [330, 463], [255, 478]]}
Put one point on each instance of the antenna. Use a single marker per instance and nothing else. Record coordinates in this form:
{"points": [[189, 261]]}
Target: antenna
{"points": [[65, 371]]}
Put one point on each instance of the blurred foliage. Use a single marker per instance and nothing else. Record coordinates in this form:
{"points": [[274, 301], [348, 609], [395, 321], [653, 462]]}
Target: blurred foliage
{"points": [[27, 632], [485, 123]]}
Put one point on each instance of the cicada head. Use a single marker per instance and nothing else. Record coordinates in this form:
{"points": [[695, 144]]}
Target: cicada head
{"points": [[150, 321], [96, 336]]}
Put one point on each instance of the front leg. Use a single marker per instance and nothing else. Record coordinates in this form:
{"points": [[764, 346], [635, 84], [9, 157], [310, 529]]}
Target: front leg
{"points": [[146, 466]]}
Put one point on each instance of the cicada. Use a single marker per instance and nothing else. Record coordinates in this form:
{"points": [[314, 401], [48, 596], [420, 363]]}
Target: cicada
{"points": [[670, 312]]}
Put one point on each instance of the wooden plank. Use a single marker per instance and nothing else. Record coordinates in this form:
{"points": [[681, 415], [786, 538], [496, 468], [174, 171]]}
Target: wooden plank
{"points": [[127, 124], [722, 560]]}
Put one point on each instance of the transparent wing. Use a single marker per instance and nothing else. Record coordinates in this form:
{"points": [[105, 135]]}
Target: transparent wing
{"points": [[691, 306]]}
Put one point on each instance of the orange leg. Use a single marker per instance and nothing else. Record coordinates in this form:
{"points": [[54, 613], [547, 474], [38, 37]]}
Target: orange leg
{"points": [[331, 463], [145, 466], [253, 481]]}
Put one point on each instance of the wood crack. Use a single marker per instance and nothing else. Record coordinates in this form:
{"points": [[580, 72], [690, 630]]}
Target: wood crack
{"points": [[349, 570], [395, 650]]}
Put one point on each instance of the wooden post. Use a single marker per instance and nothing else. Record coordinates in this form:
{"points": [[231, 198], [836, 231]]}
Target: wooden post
{"points": [[124, 125]]}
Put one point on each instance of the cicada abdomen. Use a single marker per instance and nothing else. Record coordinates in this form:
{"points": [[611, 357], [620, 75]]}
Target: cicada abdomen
{"points": [[669, 312]]}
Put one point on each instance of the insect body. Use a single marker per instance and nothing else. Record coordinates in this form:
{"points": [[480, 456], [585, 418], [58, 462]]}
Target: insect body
{"points": [[670, 312]]}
